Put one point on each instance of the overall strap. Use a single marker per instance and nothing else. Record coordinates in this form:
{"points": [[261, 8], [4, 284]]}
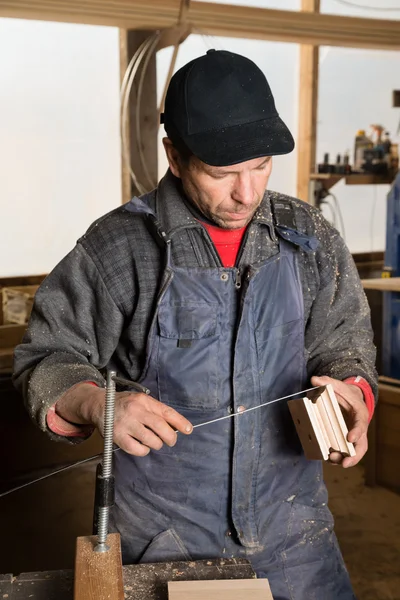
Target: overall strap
{"points": [[286, 228]]}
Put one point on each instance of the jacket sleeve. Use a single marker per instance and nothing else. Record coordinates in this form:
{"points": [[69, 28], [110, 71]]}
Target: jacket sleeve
{"points": [[73, 331], [339, 337]]}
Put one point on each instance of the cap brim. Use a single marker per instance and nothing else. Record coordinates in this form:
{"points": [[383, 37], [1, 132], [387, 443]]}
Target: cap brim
{"points": [[239, 143]]}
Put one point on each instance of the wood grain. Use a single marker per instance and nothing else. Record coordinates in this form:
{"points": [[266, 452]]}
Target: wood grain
{"points": [[216, 19], [239, 589], [11, 335], [98, 576], [308, 105], [384, 284], [308, 429], [320, 425]]}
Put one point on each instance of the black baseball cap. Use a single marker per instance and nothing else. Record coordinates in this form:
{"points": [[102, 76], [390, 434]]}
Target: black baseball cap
{"points": [[221, 107]]}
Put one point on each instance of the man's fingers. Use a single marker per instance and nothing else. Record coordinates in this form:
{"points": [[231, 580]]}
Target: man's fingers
{"points": [[148, 422], [160, 428], [145, 436], [361, 448], [339, 387], [176, 420], [356, 433], [335, 458], [132, 446]]}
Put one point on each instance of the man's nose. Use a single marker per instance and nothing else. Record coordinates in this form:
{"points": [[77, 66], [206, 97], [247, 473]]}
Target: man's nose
{"points": [[243, 190]]}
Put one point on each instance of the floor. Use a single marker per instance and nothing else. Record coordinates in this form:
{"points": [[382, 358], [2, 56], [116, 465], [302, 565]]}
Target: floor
{"points": [[368, 528]]}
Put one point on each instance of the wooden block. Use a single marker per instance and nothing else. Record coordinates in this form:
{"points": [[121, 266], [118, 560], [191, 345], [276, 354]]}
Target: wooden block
{"points": [[320, 424], [98, 576], [17, 303], [312, 438], [231, 589]]}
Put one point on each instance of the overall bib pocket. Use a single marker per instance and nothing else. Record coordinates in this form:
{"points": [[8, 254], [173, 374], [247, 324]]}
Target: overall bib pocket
{"points": [[187, 357], [166, 546], [288, 340]]}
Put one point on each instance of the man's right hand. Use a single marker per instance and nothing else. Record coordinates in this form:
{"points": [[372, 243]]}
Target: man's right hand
{"points": [[141, 423]]}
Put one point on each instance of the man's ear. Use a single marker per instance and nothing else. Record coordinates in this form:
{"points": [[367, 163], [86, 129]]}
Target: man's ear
{"points": [[172, 157]]}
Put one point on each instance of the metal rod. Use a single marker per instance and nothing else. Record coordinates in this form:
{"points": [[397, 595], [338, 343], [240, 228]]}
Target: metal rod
{"points": [[132, 384], [109, 412], [61, 470], [126, 382], [242, 412]]}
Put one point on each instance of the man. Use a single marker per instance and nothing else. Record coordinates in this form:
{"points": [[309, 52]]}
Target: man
{"points": [[218, 296]]}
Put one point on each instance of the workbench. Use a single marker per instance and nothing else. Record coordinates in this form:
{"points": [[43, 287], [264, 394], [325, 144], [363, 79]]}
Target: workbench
{"points": [[383, 284], [141, 582]]}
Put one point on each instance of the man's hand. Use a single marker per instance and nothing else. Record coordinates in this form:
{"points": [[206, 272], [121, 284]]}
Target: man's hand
{"points": [[355, 412], [141, 423]]}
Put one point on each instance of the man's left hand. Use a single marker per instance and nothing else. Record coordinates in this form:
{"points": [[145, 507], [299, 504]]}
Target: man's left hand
{"points": [[355, 412]]}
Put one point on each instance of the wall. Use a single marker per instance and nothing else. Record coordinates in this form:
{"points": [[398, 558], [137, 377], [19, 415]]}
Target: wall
{"points": [[59, 143], [59, 121], [355, 91], [345, 107]]}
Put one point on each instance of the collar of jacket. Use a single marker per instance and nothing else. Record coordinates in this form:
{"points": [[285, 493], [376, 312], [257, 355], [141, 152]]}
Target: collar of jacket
{"points": [[174, 215]]}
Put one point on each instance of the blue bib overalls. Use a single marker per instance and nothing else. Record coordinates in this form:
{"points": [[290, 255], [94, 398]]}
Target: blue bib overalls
{"points": [[240, 487]]}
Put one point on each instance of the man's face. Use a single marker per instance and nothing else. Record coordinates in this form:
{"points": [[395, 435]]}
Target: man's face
{"points": [[229, 196]]}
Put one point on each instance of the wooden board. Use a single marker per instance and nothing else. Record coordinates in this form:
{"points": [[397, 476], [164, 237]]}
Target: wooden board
{"points": [[308, 105], [11, 335], [384, 284], [141, 582], [320, 425], [240, 589], [98, 576], [216, 19], [328, 180], [6, 361], [382, 466]]}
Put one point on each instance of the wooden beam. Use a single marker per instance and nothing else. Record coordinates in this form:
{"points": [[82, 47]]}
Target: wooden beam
{"points": [[216, 19], [98, 576], [308, 107], [148, 174]]}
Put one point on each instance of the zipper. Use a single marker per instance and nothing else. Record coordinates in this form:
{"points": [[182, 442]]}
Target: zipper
{"points": [[242, 245], [238, 279]]}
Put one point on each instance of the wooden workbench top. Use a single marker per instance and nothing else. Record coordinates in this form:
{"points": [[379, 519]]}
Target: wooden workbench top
{"points": [[384, 284], [141, 582]]}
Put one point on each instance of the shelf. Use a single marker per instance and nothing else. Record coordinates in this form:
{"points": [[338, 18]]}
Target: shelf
{"points": [[328, 180]]}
